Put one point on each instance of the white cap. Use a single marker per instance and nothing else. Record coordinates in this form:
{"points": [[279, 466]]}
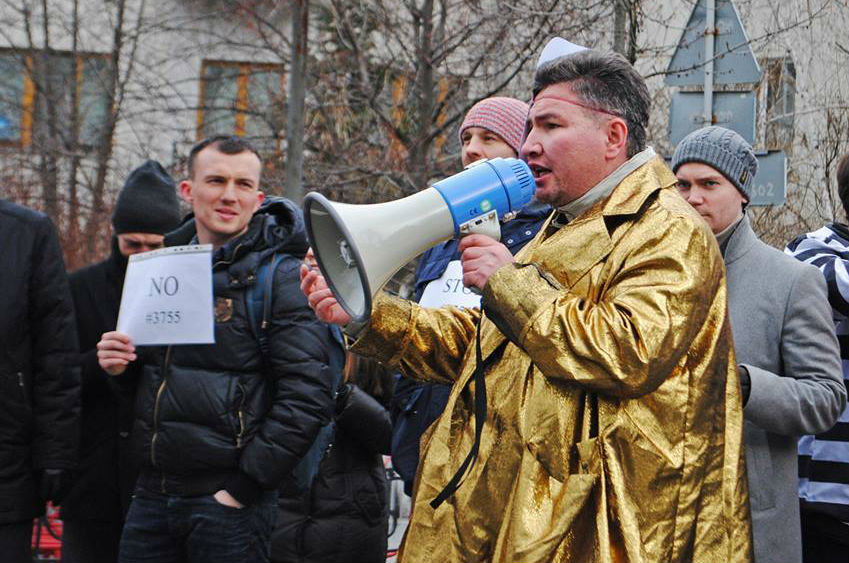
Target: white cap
{"points": [[556, 48]]}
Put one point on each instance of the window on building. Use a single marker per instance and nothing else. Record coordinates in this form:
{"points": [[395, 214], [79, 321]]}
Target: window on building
{"points": [[245, 99], [12, 75], [779, 81], [399, 95], [37, 94]]}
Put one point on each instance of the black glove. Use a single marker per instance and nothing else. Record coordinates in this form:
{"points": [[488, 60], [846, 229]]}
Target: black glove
{"points": [[342, 397], [55, 484], [745, 383]]}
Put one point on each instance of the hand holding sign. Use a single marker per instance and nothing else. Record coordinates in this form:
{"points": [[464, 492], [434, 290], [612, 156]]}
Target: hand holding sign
{"points": [[114, 352], [167, 297]]}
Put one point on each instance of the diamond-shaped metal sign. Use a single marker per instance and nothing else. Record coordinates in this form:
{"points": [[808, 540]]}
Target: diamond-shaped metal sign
{"points": [[734, 62], [732, 110]]}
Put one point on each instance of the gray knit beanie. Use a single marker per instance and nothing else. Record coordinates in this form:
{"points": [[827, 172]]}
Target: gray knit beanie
{"points": [[148, 202], [722, 149]]}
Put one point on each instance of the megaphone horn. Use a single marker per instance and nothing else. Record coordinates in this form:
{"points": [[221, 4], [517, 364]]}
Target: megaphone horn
{"points": [[359, 247]]}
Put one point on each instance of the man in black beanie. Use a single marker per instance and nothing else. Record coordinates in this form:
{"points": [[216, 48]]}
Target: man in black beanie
{"points": [[93, 511]]}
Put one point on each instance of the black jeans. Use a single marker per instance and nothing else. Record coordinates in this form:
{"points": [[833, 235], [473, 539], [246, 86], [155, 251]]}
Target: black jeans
{"points": [[825, 539], [16, 542], [169, 529], [90, 541]]}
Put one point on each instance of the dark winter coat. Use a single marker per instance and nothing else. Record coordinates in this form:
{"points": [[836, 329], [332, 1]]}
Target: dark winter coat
{"points": [[211, 417], [343, 517], [104, 480], [39, 389]]}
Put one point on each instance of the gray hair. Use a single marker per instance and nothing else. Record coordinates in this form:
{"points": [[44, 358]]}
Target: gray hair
{"points": [[605, 81]]}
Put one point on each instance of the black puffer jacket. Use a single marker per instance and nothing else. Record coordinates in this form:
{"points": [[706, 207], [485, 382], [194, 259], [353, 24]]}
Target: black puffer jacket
{"points": [[343, 517], [213, 417], [39, 392]]}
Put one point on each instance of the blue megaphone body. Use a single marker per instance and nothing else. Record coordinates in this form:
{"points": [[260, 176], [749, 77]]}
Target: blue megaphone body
{"points": [[496, 188], [359, 247]]}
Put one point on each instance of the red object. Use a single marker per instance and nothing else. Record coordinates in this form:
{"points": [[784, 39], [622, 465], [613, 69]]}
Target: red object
{"points": [[47, 536]]}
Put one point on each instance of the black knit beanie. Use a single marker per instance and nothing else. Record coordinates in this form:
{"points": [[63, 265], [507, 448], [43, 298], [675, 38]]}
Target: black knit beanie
{"points": [[148, 202]]}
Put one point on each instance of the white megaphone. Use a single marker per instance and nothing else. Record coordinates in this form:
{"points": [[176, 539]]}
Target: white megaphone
{"points": [[359, 247]]}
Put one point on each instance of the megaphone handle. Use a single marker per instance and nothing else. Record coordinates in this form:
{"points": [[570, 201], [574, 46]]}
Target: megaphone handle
{"points": [[486, 224]]}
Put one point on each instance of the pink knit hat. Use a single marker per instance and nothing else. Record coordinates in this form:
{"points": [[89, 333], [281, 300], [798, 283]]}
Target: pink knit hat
{"points": [[503, 116]]}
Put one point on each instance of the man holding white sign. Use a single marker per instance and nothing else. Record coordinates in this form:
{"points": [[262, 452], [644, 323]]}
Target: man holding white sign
{"points": [[220, 426]]}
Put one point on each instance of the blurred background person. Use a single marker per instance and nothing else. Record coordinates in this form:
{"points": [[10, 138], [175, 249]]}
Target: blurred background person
{"points": [[343, 517], [93, 512], [824, 457], [492, 128], [39, 385]]}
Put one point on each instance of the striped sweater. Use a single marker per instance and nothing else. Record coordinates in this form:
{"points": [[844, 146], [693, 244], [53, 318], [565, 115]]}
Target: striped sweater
{"points": [[824, 458]]}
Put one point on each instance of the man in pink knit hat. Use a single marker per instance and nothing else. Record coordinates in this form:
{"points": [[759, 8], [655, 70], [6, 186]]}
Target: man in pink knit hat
{"points": [[493, 128]]}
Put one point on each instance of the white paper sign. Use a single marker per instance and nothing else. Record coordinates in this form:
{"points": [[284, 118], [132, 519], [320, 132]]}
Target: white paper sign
{"points": [[449, 290], [167, 297]]}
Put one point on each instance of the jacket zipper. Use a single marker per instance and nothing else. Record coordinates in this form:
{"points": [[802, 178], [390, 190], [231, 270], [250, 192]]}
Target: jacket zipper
{"points": [[241, 413], [235, 251], [23, 386], [156, 411]]}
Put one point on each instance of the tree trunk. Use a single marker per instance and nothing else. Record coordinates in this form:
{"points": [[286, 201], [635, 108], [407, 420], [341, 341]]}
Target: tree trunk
{"points": [[295, 105], [73, 256], [421, 148], [48, 149], [626, 26], [633, 29], [620, 35], [104, 148]]}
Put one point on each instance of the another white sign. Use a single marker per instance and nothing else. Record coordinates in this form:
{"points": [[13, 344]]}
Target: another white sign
{"points": [[167, 297], [449, 290]]}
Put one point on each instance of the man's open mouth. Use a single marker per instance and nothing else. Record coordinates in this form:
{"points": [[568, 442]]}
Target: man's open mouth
{"points": [[539, 171]]}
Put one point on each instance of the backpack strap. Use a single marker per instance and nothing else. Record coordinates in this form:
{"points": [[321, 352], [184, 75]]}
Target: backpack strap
{"points": [[258, 301]]}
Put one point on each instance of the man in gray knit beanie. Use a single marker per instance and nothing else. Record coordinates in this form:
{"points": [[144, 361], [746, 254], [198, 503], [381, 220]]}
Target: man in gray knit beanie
{"points": [[787, 354], [706, 161]]}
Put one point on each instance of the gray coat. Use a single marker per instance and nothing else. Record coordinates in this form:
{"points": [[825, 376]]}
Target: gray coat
{"points": [[784, 337]]}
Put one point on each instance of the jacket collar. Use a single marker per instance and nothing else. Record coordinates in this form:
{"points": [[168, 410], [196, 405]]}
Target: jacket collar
{"points": [[741, 241], [631, 193], [840, 229], [591, 232], [588, 234], [607, 185]]}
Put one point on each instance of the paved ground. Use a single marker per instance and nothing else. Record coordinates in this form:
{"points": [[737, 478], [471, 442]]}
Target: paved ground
{"points": [[399, 514]]}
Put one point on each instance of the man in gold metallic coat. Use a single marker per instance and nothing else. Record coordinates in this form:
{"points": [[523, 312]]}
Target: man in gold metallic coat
{"points": [[613, 424]]}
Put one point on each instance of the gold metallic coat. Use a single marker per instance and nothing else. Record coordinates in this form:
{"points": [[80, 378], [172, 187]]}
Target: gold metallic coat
{"points": [[614, 421]]}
